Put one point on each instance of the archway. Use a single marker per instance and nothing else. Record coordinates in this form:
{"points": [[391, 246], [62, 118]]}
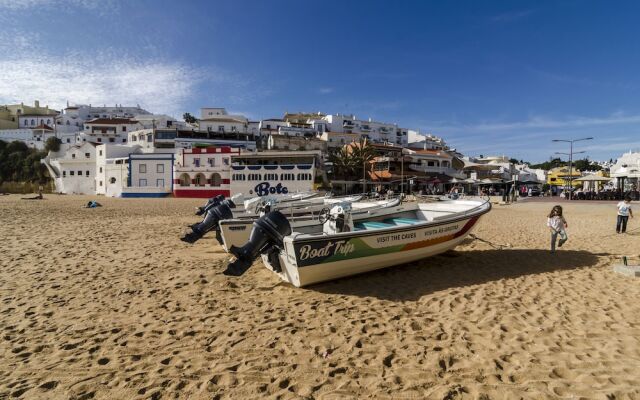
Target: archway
{"points": [[201, 180], [216, 179], [185, 180]]}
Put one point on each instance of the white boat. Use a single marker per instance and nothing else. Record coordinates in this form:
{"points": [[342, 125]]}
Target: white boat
{"points": [[218, 209], [342, 247], [236, 231]]}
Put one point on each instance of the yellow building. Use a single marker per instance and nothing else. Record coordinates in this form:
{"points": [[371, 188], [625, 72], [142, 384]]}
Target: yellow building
{"points": [[560, 177], [7, 120], [10, 113]]}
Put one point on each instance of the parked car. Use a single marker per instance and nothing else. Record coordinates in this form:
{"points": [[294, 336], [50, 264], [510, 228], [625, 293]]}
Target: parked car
{"points": [[535, 192]]}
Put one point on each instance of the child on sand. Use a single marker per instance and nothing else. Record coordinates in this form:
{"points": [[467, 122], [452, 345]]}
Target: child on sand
{"points": [[557, 224], [624, 212]]}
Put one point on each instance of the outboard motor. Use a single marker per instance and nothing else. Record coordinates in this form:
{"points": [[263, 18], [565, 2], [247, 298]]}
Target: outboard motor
{"points": [[265, 207], [266, 238], [337, 220], [214, 201], [214, 215]]}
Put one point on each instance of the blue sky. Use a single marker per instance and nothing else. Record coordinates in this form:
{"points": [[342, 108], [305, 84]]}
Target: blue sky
{"points": [[490, 77]]}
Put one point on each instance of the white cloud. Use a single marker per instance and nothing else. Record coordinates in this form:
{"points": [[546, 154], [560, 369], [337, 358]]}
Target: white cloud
{"points": [[156, 85], [326, 90], [59, 4]]}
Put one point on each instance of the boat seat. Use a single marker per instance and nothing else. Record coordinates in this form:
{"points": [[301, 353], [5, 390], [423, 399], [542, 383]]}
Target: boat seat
{"points": [[401, 221], [367, 225]]}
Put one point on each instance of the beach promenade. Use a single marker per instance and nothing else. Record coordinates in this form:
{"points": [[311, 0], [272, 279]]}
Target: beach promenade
{"points": [[108, 303]]}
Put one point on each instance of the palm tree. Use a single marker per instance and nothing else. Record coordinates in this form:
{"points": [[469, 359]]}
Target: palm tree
{"points": [[363, 153], [343, 163]]}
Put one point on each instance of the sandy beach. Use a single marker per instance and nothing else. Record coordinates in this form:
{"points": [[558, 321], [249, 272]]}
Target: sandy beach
{"points": [[108, 303]]}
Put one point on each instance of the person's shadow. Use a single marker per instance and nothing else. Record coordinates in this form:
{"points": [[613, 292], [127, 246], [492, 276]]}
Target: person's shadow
{"points": [[455, 269]]}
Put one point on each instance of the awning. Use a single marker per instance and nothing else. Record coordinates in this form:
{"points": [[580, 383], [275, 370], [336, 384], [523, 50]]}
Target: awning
{"points": [[592, 178]]}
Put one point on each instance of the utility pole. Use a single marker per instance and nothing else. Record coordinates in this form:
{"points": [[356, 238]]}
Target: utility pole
{"points": [[570, 154]]}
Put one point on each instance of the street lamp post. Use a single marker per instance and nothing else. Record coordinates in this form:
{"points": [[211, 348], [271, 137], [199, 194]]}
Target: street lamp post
{"points": [[571, 153]]}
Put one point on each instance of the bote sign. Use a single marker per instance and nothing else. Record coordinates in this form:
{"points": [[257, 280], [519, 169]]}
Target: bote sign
{"points": [[265, 189]]}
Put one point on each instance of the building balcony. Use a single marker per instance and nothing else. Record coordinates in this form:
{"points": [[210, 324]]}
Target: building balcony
{"points": [[433, 169]]}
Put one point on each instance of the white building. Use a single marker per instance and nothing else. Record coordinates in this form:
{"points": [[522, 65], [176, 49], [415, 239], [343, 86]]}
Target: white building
{"points": [[218, 120], [73, 168], [108, 130], [626, 171], [343, 129], [203, 172], [272, 125], [34, 138], [123, 171], [73, 118], [428, 141], [34, 120], [273, 173]]}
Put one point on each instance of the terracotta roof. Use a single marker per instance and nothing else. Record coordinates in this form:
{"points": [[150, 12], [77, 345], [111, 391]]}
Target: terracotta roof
{"points": [[111, 121], [43, 127]]}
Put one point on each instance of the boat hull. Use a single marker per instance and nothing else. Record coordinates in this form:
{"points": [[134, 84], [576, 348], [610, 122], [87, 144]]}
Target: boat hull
{"points": [[312, 260]]}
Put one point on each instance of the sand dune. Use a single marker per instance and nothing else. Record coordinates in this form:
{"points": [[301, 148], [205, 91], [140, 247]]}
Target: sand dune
{"points": [[107, 303]]}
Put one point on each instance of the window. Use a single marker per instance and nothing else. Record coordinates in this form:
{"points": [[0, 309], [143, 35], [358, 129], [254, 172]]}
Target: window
{"points": [[68, 140], [160, 168], [79, 173], [100, 152], [142, 168], [270, 177], [225, 161], [64, 174], [112, 140], [99, 140], [196, 162], [71, 173], [68, 122], [32, 122], [100, 169], [220, 128], [212, 162], [149, 138], [255, 177], [48, 121], [112, 180], [238, 177], [159, 182], [124, 129], [287, 177], [86, 173], [304, 176], [100, 183], [133, 138], [73, 155], [87, 155], [142, 183], [124, 140]]}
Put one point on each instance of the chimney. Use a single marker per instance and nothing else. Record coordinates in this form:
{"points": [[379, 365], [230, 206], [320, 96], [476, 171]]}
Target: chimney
{"points": [[37, 103]]}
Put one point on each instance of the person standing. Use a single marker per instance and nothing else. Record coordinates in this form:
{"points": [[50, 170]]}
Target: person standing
{"points": [[624, 212], [557, 224]]}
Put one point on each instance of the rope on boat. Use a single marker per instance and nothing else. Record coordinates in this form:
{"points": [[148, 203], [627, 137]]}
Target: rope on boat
{"points": [[495, 246]]}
